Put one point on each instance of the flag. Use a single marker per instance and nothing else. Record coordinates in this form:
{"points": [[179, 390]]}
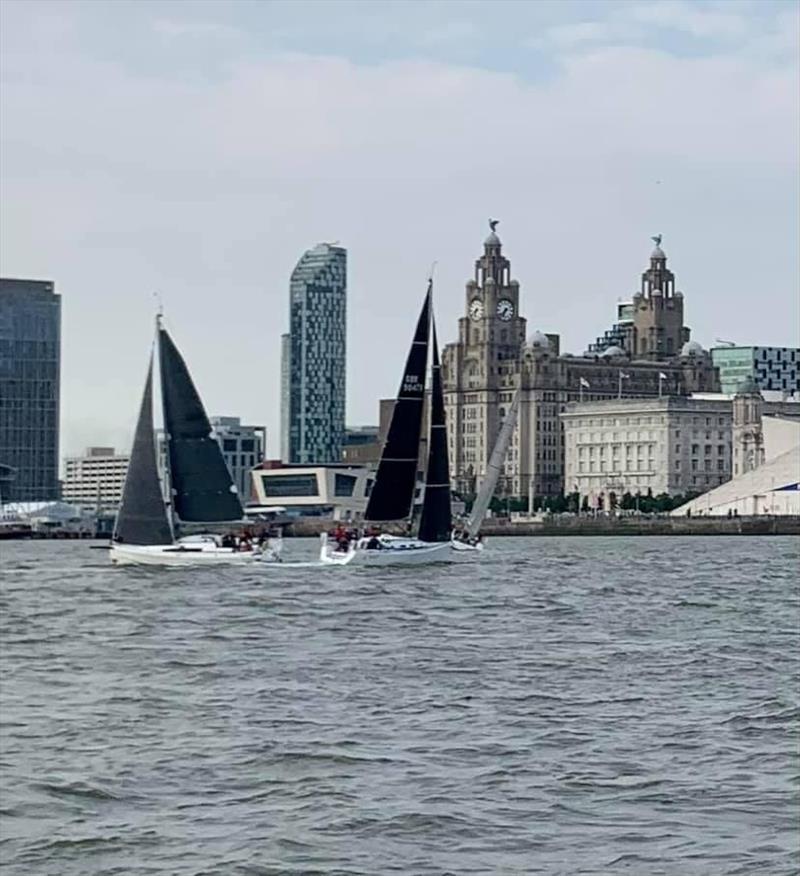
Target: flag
{"points": [[584, 382], [624, 376], [662, 376]]}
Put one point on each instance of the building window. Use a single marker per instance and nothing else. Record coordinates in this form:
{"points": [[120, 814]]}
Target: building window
{"points": [[343, 485], [289, 485], [229, 445]]}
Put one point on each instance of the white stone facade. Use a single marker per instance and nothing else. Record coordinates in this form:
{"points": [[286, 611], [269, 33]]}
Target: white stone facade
{"points": [[95, 480], [670, 445]]}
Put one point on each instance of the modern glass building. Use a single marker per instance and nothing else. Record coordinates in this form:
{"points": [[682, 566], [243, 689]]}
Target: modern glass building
{"points": [[314, 358], [30, 372], [772, 368]]}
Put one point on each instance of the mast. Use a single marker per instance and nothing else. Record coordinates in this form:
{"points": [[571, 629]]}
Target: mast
{"points": [[436, 522], [393, 491], [494, 468], [164, 450]]}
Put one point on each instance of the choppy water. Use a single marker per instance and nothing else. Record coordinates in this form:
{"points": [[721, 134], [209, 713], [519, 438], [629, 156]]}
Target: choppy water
{"points": [[591, 706]]}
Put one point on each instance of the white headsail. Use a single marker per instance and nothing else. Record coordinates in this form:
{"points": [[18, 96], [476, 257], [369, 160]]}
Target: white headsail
{"points": [[494, 468]]}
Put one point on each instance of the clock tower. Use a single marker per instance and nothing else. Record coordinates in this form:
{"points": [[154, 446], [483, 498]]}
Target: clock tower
{"points": [[478, 370]]}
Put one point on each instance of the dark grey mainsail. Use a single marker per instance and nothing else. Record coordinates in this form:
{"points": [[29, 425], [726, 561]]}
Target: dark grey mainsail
{"points": [[142, 517], [202, 489], [393, 490], [436, 522]]}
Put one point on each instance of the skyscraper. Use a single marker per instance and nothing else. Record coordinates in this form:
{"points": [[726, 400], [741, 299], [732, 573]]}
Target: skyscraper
{"points": [[30, 370], [313, 358]]}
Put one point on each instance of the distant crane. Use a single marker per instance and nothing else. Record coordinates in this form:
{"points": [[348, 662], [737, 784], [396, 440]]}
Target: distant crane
{"points": [[725, 343]]}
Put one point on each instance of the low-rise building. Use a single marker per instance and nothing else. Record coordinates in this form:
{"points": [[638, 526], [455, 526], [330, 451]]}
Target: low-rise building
{"points": [[770, 368], [242, 448], [668, 445], [361, 445], [96, 479], [337, 491], [766, 460]]}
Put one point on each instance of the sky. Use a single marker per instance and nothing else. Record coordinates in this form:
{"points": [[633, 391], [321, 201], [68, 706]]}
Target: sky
{"points": [[197, 149]]}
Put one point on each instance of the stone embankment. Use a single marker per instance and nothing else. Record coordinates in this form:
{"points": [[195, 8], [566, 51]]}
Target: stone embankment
{"points": [[601, 525]]}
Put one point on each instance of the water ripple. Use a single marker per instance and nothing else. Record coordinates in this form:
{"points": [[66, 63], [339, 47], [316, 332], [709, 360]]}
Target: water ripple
{"points": [[575, 706]]}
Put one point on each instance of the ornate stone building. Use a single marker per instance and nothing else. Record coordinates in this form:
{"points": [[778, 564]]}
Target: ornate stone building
{"points": [[748, 431], [494, 356]]}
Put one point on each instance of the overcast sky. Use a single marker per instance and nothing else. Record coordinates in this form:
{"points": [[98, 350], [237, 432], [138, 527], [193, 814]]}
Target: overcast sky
{"points": [[198, 148]]}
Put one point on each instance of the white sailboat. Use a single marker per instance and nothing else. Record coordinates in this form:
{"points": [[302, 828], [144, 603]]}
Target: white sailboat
{"points": [[197, 479], [468, 539], [392, 493]]}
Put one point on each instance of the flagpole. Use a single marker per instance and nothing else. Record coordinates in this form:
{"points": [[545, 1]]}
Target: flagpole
{"points": [[660, 379], [619, 392], [580, 394]]}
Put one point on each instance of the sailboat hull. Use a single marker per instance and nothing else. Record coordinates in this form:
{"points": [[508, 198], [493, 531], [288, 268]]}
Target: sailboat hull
{"points": [[393, 551], [457, 545], [182, 555]]}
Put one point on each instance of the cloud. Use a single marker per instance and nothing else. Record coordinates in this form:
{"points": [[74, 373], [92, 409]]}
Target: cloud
{"points": [[117, 182], [691, 18], [449, 32], [566, 36], [188, 28]]}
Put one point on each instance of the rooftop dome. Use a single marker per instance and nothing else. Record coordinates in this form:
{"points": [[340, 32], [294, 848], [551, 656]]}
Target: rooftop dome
{"points": [[492, 240], [538, 339], [691, 348], [657, 253], [612, 352]]}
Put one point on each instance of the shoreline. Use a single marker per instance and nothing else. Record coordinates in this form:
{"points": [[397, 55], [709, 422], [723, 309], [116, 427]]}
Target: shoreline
{"points": [[568, 526]]}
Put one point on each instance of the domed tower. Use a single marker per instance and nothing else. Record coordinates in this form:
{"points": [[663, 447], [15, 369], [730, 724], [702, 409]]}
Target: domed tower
{"points": [[492, 300], [481, 370], [698, 372], [658, 329], [748, 431]]}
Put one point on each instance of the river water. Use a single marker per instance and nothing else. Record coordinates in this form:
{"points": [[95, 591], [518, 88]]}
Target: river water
{"points": [[584, 705]]}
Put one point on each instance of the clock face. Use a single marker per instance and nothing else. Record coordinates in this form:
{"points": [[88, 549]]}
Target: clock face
{"points": [[505, 309], [476, 308]]}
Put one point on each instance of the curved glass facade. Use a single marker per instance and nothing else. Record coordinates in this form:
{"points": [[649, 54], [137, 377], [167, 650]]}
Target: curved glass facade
{"points": [[314, 358]]}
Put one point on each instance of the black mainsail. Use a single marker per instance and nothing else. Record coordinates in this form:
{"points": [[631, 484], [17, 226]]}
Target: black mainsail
{"points": [[436, 522], [202, 489], [393, 490], [142, 517]]}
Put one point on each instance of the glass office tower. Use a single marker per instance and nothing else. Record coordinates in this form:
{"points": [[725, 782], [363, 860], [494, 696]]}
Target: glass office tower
{"points": [[314, 358], [30, 372]]}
